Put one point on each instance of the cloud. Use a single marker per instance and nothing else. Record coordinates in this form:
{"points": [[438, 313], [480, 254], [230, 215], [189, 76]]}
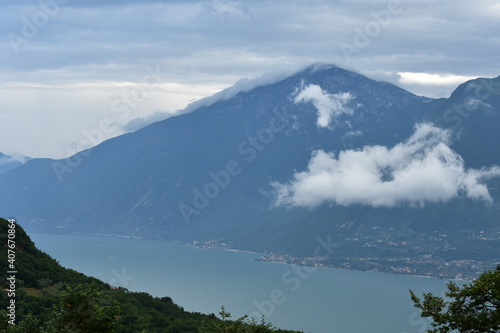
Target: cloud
{"points": [[209, 45], [138, 123], [13, 157], [429, 79], [354, 133], [243, 85], [422, 169], [329, 106]]}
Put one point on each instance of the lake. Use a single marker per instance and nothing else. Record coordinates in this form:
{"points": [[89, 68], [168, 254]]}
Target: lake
{"points": [[317, 300]]}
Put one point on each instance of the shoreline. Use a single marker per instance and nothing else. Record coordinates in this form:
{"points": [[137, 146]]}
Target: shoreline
{"points": [[287, 259]]}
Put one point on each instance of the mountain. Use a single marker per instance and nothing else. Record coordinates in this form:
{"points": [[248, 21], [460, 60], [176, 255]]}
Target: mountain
{"points": [[9, 162], [392, 181]]}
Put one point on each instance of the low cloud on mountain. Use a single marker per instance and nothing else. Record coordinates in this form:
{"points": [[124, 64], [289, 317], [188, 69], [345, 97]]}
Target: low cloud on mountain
{"points": [[329, 106], [140, 122], [422, 169], [243, 85], [12, 158]]}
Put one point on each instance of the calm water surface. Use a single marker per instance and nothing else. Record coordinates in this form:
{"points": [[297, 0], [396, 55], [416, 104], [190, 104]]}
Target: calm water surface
{"points": [[319, 301]]}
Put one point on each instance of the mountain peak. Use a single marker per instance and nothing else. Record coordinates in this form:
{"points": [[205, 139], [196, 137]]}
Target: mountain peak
{"points": [[209, 174], [480, 88]]}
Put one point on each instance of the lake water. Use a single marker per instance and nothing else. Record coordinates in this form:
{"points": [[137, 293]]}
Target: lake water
{"points": [[318, 300]]}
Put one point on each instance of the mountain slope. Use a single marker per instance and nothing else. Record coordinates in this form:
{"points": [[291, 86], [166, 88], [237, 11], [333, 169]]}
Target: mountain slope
{"points": [[209, 174], [165, 161]]}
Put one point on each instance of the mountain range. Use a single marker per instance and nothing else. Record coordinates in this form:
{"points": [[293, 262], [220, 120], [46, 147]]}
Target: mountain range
{"points": [[389, 180]]}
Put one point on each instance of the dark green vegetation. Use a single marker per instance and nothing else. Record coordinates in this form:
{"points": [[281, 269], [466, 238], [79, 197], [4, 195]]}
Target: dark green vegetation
{"points": [[137, 184], [53, 299], [472, 308]]}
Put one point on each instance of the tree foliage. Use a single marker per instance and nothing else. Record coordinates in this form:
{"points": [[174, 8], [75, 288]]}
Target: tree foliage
{"points": [[471, 308], [84, 309]]}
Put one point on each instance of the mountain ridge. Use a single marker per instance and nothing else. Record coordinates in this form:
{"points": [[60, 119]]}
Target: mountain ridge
{"points": [[206, 176]]}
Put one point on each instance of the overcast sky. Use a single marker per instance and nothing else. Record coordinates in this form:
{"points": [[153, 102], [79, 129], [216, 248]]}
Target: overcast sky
{"points": [[72, 67]]}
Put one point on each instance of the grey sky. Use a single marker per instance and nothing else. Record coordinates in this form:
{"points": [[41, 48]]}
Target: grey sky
{"points": [[67, 65]]}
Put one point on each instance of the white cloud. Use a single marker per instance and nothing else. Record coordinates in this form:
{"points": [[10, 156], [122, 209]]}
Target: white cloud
{"points": [[354, 133], [208, 45], [429, 79], [494, 9], [329, 106], [422, 169], [57, 115], [13, 157]]}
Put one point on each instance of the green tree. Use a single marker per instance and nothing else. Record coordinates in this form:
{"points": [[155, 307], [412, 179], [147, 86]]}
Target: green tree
{"points": [[84, 309], [29, 325], [472, 308]]}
